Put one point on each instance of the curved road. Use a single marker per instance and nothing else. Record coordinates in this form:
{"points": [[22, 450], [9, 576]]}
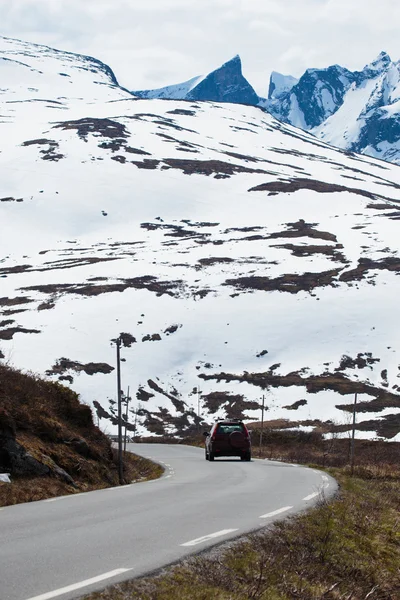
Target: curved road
{"points": [[68, 546]]}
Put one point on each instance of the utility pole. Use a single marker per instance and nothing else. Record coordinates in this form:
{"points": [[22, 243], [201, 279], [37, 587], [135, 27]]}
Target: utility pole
{"points": [[126, 418], [119, 396], [262, 422], [136, 416], [198, 407], [353, 433]]}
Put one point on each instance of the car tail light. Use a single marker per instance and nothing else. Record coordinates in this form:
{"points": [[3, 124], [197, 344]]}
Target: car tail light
{"points": [[246, 432]]}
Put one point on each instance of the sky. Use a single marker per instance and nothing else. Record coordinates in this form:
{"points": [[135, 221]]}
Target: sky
{"points": [[152, 43]]}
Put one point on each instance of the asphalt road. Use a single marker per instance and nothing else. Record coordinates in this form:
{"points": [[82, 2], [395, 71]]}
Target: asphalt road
{"points": [[71, 545]]}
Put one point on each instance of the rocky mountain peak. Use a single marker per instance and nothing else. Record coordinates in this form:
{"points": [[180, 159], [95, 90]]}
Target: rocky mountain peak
{"points": [[280, 84], [225, 84], [381, 61]]}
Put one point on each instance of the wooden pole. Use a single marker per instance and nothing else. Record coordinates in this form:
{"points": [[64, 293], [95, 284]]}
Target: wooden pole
{"points": [[353, 433], [120, 459], [262, 423], [126, 417]]}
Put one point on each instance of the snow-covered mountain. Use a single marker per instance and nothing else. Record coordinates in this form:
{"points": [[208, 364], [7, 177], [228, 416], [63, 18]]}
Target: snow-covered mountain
{"points": [[354, 110], [35, 73], [358, 111], [225, 84], [235, 255], [280, 84]]}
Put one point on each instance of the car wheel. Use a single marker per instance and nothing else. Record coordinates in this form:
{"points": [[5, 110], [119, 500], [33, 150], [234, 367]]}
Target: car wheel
{"points": [[247, 456], [206, 455], [211, 456]]}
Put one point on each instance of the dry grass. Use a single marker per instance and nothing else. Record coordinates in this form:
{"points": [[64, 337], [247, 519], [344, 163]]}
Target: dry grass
{"points": [[56, 429]]}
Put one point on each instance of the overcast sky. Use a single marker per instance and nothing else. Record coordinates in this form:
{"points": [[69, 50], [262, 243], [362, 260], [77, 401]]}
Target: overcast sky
{"points": [[151, 43]]}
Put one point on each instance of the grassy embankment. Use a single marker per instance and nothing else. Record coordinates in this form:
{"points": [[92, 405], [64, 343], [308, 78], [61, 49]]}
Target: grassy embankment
{"points": [[348, 549], [50, 445]]}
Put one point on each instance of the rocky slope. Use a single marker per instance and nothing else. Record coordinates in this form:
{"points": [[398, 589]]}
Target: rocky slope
{"points": [[354, 110], [49, 444], [225, 84], [236, 257]]}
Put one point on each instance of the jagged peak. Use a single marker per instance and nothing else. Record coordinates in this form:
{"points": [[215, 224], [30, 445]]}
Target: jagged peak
{"points": [[235, 61], [280, 84], [381, 62]]}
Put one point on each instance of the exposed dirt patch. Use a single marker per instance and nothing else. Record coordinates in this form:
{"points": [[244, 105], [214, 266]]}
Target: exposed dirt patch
{"points": [[143, 396], [6, 322], [234, 404], [291, 283], [131, 150], [177, 402], [16, 269], [153, 337], [49, 152], [175, 231], [127, 339], [46, 305], [147, 282], [296, 405], [294, 185], [362, 361], [244, 157], [331, 251], [99, 127], [217, 168], [199, 224], [216, 260], [147, 163], [244, 229], [172, 329], [379, 206], [8, 334], [14, 301], [302, 229], [390, 263], [182, 111], [65, 364]]}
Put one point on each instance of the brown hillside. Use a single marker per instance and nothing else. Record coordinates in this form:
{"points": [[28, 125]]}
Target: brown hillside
{"points": [[50, 445]]}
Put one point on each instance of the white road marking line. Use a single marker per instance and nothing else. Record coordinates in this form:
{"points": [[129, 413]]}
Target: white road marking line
{"points": [[64, 497], [324, 477], [276, 512], [205, 538], [311, 496], [78, 586], [54, 499]]}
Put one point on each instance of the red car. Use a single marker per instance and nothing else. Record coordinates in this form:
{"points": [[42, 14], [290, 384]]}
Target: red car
{"points": [[228, 438]]}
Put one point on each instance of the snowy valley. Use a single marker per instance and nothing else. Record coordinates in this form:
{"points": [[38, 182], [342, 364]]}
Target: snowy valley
{"points": [[236, 255]]}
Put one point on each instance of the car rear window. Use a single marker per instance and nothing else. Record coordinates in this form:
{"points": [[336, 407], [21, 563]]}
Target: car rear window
{"points": [[230, 427]]}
